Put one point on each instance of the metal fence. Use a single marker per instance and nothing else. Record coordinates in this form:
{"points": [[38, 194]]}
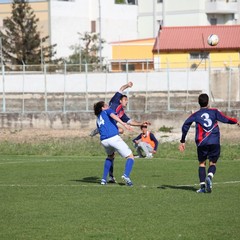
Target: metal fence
{"points": [[74, 88]]}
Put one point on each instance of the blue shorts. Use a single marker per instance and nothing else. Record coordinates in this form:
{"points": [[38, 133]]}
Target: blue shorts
{"points": [[210, 152]]}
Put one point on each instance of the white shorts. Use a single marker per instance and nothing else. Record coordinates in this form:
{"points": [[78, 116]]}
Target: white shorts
{"points": [[114, 144]]}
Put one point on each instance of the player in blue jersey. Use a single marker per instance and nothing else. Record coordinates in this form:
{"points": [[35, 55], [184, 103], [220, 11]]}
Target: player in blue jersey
{"points": [[111, 141], [207, 138], [117, 103]]}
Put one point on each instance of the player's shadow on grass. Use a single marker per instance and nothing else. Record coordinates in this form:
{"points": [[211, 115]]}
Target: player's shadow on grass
{"points": [[178, 187], [93, 179]]}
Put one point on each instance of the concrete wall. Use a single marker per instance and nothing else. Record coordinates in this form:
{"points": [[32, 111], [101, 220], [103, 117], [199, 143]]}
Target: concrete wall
{"points": [[86, 121]]}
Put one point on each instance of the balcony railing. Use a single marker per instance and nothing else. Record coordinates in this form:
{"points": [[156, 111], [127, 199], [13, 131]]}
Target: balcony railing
{"points": [[221, 6]]}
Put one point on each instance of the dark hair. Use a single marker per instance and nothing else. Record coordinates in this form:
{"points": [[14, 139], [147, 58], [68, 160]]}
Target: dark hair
{"points": [[143, 126], [98, 107], [123, 96], [203, 100]]}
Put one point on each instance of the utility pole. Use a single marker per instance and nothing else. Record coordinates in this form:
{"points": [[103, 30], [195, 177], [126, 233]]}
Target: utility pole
{"points": [[1, 52], [80, 55], [154, 17], [41, 54], [3, 78], [100, 33]]}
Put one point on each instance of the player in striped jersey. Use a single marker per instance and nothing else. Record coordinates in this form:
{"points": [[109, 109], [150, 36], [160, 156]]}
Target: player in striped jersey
{"points": [[207, 138]]}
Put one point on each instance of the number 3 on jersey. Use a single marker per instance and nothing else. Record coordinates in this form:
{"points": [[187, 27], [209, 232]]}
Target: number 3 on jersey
{"points": [[207, 120], [100, 121]]}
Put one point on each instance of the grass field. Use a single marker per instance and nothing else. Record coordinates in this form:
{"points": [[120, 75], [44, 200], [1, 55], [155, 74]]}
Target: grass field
{"points": [[57, 195]]}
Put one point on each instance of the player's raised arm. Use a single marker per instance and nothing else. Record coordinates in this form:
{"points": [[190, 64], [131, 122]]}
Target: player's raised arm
{"points": [[136, 123], [125, 86]]}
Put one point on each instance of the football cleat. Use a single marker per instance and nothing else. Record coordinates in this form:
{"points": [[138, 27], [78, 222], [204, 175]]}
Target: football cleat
{"points": [[209, 184], [149, 155], [201, 190], [127, 180], [112, 179], [94, 132], [103, 182]]}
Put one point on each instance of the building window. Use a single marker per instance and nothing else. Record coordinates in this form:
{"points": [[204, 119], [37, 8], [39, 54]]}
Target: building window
{"points": [[130, 2], [133, 2], [93, 26], [129, 67], [197, 55], [213, 21]]}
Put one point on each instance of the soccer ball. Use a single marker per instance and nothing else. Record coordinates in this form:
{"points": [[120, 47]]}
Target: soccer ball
{"points": [[213, 40]]}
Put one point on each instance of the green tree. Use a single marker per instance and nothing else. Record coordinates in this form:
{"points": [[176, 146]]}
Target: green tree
{"points": [[120, 1], [87, 51], [21, 40]]}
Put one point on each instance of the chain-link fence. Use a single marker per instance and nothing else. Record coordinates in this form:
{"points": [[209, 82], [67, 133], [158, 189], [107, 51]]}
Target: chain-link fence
{"points": [[75, 88]]}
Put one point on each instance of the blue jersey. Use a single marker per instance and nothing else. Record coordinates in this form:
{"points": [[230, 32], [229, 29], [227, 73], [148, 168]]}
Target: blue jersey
{"points": [[106, 125], [207, 129], [116, 106]]}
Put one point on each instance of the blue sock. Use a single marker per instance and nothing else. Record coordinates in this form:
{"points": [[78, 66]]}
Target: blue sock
{"points": [[202, 174], [111, 169], [107, 165], [212, 169], [128, 167]]}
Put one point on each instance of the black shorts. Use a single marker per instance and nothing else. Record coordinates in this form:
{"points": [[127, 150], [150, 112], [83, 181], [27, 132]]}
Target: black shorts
{"points": [[210, 152]]}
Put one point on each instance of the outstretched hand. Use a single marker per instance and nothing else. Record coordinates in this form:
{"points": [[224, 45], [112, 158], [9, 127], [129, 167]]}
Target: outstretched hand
{"points": [[130, 84], [181, 147], [146, 123], [128, 127]]}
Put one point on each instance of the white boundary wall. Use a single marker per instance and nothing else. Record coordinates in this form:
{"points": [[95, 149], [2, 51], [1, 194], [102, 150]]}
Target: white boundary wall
{"points": [[105, 82]]}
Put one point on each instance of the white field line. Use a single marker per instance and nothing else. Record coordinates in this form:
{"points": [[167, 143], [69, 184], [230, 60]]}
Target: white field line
{"points": [[78, 159], [42, 160], [109, 185], [214, 183]]}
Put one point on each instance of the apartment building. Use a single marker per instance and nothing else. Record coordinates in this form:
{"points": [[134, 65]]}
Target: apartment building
{"points": [[169, 13], [62, 20]]}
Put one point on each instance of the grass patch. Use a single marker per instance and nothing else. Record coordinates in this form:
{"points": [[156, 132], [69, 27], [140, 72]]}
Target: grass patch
{"points": [[165, 129], [51, 191]]}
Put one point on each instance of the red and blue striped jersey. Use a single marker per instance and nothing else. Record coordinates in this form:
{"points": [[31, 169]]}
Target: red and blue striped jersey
{"points": [[207, 129], [116, 106]]}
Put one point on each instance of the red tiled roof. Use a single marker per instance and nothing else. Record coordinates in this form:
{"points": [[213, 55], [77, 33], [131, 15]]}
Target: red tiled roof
{"points": [[195, 38]]}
